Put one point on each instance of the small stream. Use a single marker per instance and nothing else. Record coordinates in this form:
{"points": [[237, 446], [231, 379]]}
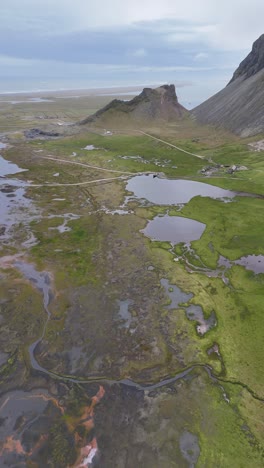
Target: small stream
{"points": [[173, 229], [42, 282], [182, 192]]}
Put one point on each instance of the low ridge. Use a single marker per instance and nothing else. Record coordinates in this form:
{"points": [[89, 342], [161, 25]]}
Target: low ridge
{"points": [[150, 105], [239, 106]]}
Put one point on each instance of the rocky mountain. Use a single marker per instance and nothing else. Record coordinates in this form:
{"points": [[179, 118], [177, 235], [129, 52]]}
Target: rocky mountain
{"points": [[239, 107], [253, 63], [160, 104]]}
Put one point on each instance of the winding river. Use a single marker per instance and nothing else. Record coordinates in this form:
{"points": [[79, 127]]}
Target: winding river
{"points": [[43, 282]]}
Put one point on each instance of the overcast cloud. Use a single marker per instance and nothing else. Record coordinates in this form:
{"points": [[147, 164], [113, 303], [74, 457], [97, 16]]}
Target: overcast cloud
{"points": [[121, 42]]}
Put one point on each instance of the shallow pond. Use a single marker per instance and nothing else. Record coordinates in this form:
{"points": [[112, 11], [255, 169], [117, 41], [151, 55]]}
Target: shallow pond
{"points": [[124, 315], [90, 148], [173, 191], [7, 167], [173, 229], [250, 262], [13, 202], [176, 295], [20, 403], [189, 446], [64, 226], [195, 313], [179, 299], [3, 358], [28, 101], [40, 279], [39, 99]]}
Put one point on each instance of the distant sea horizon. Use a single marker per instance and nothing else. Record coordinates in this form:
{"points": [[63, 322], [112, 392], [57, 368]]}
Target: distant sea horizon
{"points": [[24, 86], [13, 85]]}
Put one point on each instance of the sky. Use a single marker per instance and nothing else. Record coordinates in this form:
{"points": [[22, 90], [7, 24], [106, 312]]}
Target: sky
{"points": [[71, 44]]}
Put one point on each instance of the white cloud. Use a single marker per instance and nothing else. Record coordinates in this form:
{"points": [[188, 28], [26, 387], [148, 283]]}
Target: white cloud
{"points": [[190, 32], [224, 24], [172, 37], [140, 53], [200, 57]]}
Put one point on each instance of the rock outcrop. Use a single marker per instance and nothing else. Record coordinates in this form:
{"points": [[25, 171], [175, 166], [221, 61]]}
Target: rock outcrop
{"points": [[37, 133], [253, 63], [239, 107], [160, 104]]}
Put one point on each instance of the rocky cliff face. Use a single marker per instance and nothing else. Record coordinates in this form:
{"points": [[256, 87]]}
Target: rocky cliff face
{"points": [[239, 107], [253, 63], [150, 105]]}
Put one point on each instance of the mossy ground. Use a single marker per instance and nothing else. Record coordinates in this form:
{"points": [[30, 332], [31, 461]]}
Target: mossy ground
{"points": [[104, 259]]}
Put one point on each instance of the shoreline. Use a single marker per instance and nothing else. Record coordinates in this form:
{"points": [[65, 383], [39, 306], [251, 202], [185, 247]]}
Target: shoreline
{"points": [[71, 92]]}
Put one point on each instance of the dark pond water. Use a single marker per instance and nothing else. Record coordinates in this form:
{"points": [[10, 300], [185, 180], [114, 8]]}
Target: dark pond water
{"points": [[124, 314], [7, 167], [189, 446], [19, 403], [173, 191], [27, 101], [174, 229], [90, 148], [250, 262], [3, 358], [176, 295], [195, 312], [11, 196], [38, 99], [41, 281]]}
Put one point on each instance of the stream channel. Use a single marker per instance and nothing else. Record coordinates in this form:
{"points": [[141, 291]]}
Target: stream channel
{"points": [[158, 191], [17, 208]]}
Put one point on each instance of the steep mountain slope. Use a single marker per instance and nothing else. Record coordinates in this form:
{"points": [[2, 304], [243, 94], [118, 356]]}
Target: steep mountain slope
{"points": [[253, 63], [239, 107], [160, 104]]}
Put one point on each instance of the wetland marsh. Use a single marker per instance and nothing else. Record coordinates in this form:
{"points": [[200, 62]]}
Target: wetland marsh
{"points": [[120, 344]]}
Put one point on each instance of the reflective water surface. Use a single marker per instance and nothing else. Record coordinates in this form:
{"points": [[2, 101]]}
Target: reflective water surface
{"points": [[174, 229], [173, 191]]}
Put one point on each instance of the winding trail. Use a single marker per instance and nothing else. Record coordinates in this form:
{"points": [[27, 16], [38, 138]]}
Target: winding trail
{"points": [[86, 165], [87, 182], [76, 184], [174, 146]]}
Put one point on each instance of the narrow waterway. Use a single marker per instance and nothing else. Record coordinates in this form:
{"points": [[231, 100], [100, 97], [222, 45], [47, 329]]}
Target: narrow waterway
{"points": [[43, 282]]}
